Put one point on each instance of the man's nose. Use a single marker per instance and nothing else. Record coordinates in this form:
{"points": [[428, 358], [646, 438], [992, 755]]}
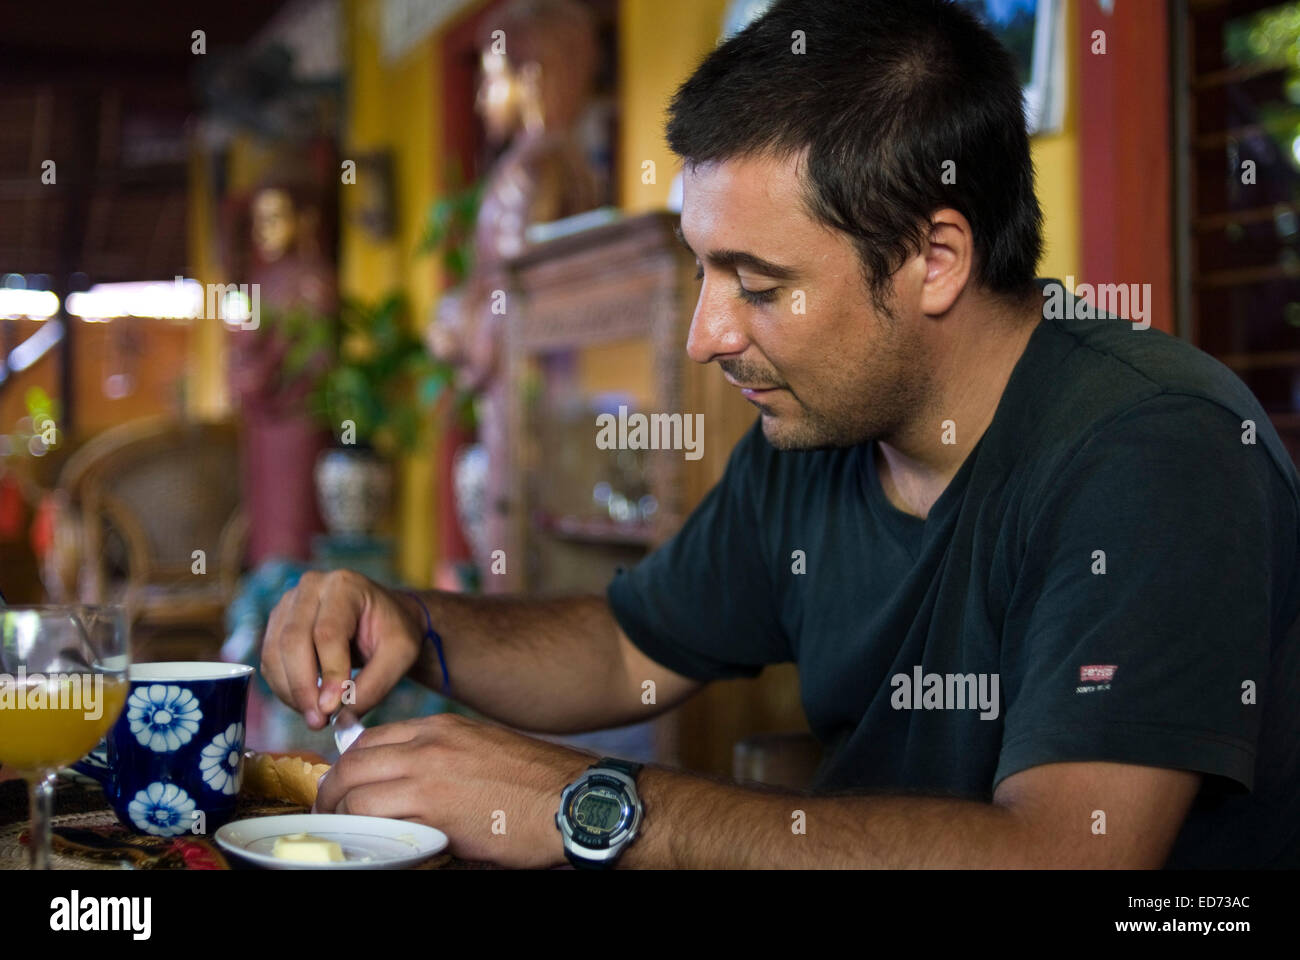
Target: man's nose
{"points": [[716, 329]]}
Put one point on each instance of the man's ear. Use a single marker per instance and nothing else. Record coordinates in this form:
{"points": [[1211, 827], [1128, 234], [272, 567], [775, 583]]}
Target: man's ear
{"points": [[949, 259]]}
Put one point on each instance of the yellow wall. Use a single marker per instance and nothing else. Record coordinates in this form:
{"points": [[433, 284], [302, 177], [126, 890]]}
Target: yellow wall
{"points": [[1056, 163], [661, 42], [397, 107]]}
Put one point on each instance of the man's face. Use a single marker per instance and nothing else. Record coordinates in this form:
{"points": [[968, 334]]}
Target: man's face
{"points": [[791, 317]]}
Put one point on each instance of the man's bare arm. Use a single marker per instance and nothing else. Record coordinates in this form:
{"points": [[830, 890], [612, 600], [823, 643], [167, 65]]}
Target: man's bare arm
{"points": [[1041, 817], [558, 665], [546, 665]]}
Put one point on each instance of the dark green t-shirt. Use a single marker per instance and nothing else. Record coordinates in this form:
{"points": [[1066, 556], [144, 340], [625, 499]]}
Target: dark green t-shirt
{"points": [[1112, 555]]}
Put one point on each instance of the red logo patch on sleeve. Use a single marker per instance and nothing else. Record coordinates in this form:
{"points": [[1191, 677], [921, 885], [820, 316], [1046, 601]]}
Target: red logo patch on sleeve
{"points": [[1097, 673]]}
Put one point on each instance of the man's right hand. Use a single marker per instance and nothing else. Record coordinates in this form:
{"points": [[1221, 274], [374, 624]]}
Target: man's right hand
{"points": [[326, 625]]}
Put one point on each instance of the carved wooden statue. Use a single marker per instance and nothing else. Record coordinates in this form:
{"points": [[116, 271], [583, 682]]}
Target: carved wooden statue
{"points": [[280, 441], [538, 62]]}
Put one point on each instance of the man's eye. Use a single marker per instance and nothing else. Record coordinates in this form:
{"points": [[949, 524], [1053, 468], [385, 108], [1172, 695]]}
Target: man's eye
{"points": [[754, 297], [758, 297]]}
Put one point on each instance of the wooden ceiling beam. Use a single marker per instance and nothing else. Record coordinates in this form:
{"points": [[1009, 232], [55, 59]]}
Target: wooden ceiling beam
{"points": [[164, 77]]}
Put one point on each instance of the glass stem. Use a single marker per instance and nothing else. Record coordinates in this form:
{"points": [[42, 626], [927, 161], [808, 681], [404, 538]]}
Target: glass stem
{"points": [[41, 792]]}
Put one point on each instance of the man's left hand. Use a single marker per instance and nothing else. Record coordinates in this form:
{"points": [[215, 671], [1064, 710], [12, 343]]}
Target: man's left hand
{"points": [[494, 792]]}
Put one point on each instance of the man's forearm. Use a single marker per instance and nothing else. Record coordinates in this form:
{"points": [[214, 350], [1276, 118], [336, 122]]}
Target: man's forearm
{"points": [[693, 823], [546, 665]]}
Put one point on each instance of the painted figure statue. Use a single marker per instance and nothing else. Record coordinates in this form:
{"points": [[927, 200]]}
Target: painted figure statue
{"points": [[538, 63], [280, 440]]}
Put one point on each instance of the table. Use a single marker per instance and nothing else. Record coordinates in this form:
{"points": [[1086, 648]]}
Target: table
{"points": [[81, 813]]}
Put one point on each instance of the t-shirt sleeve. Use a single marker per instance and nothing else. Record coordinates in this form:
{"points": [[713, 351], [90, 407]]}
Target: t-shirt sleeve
{"points": [[702, 604], [1139, 627]]}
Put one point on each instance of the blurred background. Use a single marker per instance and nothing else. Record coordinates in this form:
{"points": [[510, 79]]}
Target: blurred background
{"points": [[317, 283]]}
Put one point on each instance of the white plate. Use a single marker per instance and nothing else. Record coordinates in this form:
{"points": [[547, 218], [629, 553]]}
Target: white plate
{"points": [[369, 843]]}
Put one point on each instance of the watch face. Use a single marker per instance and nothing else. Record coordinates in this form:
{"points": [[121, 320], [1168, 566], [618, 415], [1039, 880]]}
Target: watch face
{"points": [[599, 812]]}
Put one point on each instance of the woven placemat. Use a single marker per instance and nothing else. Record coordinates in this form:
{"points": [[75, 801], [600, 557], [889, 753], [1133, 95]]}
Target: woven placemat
{"points": [[92, 838]]}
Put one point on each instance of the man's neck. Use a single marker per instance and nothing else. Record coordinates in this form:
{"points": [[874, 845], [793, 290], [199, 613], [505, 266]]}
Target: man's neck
{"points": [[916, 465]]}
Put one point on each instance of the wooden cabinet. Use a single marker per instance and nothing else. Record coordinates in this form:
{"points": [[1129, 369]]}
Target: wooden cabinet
{"points": [[597, 323]]}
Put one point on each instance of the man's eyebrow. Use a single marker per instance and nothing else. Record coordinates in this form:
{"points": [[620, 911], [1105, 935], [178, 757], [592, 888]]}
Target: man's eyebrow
{"points": [[733, 259]]}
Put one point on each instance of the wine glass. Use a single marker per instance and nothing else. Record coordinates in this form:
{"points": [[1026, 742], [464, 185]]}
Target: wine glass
{"points": [[63, 682]]}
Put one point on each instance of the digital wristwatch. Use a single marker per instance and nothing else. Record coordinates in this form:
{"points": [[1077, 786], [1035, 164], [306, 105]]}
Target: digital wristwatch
{"points": [[600, 814]]}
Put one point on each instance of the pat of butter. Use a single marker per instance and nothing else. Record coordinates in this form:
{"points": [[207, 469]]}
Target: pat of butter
{"points": [[304, 848]]}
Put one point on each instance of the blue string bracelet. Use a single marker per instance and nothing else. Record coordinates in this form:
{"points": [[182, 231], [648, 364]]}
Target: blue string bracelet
{"points": [[432, 635]]}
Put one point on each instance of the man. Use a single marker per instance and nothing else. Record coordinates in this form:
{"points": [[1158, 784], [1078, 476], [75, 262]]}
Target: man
{"points": [[1038, 570]]}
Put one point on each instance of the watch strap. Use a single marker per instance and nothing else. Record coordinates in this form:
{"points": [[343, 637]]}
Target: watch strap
{"points": [[622, 766]]}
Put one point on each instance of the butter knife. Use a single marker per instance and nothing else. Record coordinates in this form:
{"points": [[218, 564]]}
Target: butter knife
{"points": [[346, 728]]}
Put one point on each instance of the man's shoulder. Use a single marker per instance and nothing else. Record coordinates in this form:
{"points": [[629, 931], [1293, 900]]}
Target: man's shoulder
{"points": [[1136, 362], [1103, 382]]}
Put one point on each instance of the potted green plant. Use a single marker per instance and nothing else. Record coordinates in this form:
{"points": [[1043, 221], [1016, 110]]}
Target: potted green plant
{"points": [[449, 230], [375, 399], [449, 233]]}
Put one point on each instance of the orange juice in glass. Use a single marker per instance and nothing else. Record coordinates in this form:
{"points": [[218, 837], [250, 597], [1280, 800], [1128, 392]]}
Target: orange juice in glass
{"points": [[62, 685], [51, 722]]}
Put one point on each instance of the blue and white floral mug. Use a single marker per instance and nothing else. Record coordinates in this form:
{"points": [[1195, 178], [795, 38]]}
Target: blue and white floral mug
{"points": [[173, 762]]}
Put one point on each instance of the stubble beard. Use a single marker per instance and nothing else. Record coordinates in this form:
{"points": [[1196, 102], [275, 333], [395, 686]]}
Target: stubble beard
{"points": [[876, 404]]}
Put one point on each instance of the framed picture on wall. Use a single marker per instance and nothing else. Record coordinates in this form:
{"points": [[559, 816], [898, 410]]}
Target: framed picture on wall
{"points": [[1034, 32]]}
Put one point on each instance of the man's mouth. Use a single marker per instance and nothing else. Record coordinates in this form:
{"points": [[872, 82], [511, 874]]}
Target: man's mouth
{"points": [[751, 392]]}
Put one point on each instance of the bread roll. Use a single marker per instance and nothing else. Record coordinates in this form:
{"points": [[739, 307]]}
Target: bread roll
{"points": [[282, 778]]}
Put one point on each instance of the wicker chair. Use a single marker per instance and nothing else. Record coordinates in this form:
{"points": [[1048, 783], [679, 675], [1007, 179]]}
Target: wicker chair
{"points": [[132, 507]]}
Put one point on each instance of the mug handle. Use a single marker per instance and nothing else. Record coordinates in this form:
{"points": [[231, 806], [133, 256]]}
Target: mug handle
{"points": [[95, 765]]}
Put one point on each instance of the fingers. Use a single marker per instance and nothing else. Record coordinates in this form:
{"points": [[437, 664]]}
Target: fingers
{"points": [[396, 800], [307, 652], [298, 653], [404, 731], [384, 671], [336, 623], [393, 657], [277, 643], [289, 656], [362, 767], [272, 668]]}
